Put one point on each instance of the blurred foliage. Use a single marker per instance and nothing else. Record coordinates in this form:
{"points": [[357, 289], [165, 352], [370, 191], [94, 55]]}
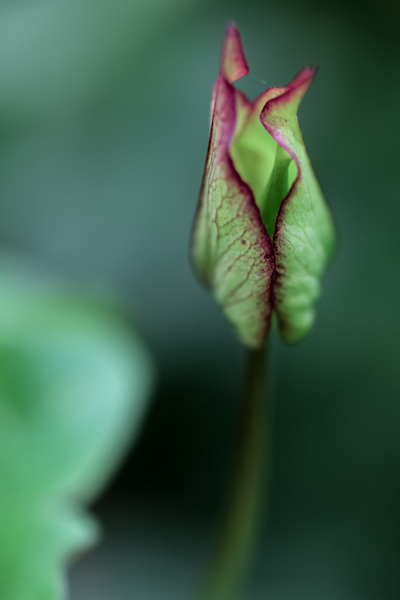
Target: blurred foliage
{"points": [[73, 389]]}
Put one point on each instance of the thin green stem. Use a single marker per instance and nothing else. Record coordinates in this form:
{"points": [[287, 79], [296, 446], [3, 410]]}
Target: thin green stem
{"points": [[241, 521]]}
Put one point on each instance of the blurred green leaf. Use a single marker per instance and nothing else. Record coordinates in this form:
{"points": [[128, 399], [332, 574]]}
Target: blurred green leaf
{"points": [[74, 383]]}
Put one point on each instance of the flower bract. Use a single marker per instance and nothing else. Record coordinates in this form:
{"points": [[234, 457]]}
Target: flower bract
{"points": [[263, 233]]}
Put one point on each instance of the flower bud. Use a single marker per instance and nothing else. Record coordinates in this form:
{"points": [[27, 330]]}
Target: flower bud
{"points": [[263, 234]]}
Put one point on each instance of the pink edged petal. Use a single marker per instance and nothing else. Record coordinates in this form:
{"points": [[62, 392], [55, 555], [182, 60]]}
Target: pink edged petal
{"points": [[233, 63], [304, 233], [231, 250]]}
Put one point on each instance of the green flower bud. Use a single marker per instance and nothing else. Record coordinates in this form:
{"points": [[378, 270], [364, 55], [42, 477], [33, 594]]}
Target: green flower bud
{"points": [[263, 234]]}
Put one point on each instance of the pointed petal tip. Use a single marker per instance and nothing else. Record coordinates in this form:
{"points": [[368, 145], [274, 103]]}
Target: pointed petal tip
{"points": [[233, 63], [292, 93], [304, 77], [300, 84]]}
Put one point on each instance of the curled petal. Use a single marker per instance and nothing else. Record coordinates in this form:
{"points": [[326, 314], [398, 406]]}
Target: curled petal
{"points": [[232, 251], [304, 232]]}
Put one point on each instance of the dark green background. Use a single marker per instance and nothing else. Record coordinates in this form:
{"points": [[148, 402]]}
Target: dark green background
{"points": [[104, 111]]}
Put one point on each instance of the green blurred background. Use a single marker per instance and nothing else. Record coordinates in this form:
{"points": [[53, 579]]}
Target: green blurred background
{"points": [[104, 110]]}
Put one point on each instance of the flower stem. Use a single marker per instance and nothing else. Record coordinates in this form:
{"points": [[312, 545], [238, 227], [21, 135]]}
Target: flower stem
{"points": [[241, 522]]}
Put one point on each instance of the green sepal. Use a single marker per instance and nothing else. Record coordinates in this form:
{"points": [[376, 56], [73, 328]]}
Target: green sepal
{"points": [[231, 250], [304, 233]]}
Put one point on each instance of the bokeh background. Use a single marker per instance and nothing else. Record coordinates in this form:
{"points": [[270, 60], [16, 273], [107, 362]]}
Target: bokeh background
{"points": [[104, 110]]}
